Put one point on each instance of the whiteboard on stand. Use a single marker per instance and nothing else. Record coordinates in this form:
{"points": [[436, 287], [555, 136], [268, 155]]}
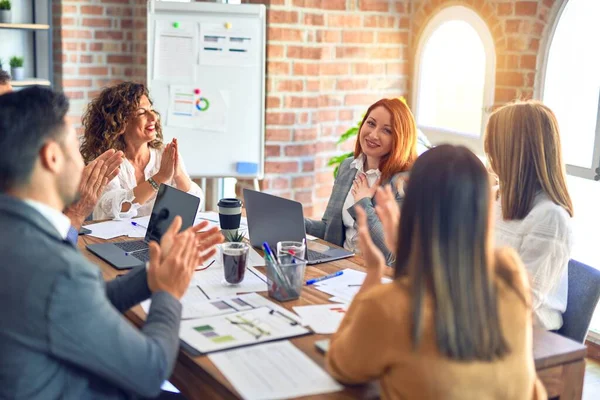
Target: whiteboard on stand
{"points": [[206, 76]]}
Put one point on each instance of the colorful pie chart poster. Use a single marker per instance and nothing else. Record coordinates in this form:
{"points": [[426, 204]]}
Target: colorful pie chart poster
{"points": [[198, 107]]}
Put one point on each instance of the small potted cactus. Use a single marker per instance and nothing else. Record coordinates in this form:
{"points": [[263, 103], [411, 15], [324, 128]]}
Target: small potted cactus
{"points": [[16, 68], [5, 12], [235, 236]]}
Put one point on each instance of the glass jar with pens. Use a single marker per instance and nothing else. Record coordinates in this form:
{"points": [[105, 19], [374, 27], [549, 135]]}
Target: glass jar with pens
{"points": [[285, 274]]}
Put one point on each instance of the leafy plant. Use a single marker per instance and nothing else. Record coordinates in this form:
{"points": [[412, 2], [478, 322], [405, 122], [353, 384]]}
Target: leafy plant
{"points": [[236, 236], [5, 5], [353, 131], [16, 62]]}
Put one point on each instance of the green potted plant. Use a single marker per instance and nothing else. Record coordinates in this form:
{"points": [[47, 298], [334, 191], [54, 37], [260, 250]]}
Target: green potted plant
{"points": [[5, 13], [16, 68], [236, 236], [422, 143]]}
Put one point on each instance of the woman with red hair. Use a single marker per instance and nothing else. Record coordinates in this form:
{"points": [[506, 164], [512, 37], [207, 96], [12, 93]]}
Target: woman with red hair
{"points": [[385, 150]]}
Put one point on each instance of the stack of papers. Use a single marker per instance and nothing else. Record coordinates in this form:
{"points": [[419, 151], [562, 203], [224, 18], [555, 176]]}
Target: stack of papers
{"points": [[324, 318], [273, 371], [343, 288]]}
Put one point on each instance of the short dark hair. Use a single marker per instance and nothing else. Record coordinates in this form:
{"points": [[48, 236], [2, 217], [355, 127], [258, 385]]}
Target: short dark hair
{"points": [[28, 118], [4, 77]]}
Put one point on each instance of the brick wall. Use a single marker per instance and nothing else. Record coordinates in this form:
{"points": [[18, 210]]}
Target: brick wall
{"points": [[327, 60], [97, 43], [517, 28]]}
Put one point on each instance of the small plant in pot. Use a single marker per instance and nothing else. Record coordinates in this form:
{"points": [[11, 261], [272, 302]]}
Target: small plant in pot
{"points": [[5, 12], [235, 236], [16, 68]]}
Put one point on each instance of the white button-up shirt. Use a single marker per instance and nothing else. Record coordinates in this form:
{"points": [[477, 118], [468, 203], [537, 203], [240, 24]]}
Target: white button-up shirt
{"points": [[351, 232], [544, 240]]}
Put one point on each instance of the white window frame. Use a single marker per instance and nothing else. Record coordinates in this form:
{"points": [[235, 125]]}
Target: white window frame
{"points": [[439, 135], [587, 173]]}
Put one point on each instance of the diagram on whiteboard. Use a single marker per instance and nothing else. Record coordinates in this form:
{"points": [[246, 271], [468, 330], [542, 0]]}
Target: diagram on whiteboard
{"points": [[198, 107]]}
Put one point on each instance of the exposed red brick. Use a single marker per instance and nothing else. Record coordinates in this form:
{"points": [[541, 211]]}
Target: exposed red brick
{"points": [[281, 167], [526, 8], [374, 5]]}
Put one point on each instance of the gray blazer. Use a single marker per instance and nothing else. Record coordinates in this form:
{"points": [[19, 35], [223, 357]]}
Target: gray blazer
{"points": [[62, 333], [331, 227]]}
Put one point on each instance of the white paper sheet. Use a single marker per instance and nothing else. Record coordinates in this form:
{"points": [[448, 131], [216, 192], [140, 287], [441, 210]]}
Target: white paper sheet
{"points": [[273, 371], [325, 318], [238, 329], [200, 106], [222, 46], [174, 50], [343, 288], [110, 229], [212, 282]]}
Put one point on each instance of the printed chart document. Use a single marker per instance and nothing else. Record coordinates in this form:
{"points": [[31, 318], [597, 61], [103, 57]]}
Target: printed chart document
{"points": [[200, 106], [220, 46], [195, 305], [325, 318], [238, 329], [273, 371]]}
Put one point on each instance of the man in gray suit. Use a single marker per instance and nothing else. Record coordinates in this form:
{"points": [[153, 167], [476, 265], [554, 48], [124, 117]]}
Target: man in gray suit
{"points": [[62, 333]]}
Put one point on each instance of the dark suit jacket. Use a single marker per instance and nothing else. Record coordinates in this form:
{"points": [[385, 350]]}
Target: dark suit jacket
{"points": [[62, 334], [331, 227]]}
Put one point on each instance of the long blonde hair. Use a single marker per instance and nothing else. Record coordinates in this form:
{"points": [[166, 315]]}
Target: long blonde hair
{"points": [[522, 142]]}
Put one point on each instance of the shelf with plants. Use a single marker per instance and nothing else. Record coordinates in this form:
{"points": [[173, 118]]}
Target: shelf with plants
{"points": [[26, 41]]}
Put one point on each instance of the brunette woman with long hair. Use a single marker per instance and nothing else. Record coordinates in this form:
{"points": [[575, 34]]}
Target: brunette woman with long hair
{"points": [[385, 150], [534, 210], [456, 321]]}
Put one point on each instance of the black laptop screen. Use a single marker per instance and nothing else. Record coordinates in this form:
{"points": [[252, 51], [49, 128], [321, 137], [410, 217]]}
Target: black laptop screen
{"points": [[169, 203]]}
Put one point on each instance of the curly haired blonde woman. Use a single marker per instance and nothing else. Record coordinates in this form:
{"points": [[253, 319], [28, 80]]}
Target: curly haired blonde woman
{"points": [[122, 118], [533, 213]]}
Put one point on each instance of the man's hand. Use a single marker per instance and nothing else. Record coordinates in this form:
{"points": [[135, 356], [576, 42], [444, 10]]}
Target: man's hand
{"points": [[94, 179], [172, 267]]}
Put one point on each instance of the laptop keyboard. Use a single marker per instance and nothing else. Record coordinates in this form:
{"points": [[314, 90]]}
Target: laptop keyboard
{"points": [[132, 246], [140, 247], [315, 255]]}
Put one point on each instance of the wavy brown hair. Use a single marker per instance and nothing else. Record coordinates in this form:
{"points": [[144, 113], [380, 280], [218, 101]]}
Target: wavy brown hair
{"points": [[106, 118]]}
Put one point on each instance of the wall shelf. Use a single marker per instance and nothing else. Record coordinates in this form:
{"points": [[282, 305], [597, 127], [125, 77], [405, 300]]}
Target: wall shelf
{"points": [[37, 27], [30, 82]]}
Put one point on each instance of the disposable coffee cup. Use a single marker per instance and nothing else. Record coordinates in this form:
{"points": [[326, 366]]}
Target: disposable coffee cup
{"points": [[230, 215]]}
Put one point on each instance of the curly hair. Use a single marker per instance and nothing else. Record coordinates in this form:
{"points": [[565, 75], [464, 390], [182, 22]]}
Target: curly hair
{"points": [[106, 118]]}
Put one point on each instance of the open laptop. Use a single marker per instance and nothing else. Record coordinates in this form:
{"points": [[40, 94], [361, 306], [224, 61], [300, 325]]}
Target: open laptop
{"points": [[169, 203], [274, 219]]}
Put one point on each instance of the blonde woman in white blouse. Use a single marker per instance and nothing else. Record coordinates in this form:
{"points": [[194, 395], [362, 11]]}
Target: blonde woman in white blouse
{"points": [[534, 209], [122, 118]]}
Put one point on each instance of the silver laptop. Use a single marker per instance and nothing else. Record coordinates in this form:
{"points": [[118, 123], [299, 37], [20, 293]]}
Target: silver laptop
{"points": [[274, 219], [169, 203]]}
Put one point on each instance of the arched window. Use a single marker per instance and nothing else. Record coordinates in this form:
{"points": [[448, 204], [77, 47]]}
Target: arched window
{"points": [[454, 77], [571, 88], [572, 83]]}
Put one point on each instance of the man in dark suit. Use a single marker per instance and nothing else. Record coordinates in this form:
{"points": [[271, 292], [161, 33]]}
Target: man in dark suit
{"points": [[62, 333]]}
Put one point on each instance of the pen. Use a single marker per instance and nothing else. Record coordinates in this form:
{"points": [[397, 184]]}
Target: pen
{"points": [[292, 322], [136, 224], [322, 278], [203, 268], [134, 251]]}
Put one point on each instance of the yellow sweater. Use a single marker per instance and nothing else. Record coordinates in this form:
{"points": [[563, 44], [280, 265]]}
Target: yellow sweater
{"points": [[374, 342]]}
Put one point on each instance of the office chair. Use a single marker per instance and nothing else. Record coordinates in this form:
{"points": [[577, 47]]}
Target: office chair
{"points": [[584, 291]]}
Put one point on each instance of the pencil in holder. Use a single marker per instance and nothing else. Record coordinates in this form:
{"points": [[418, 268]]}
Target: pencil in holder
{"points": [[285, 280]]}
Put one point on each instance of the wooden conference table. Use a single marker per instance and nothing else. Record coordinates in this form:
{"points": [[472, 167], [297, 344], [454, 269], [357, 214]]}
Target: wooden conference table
{"points": [[559, 361]]}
